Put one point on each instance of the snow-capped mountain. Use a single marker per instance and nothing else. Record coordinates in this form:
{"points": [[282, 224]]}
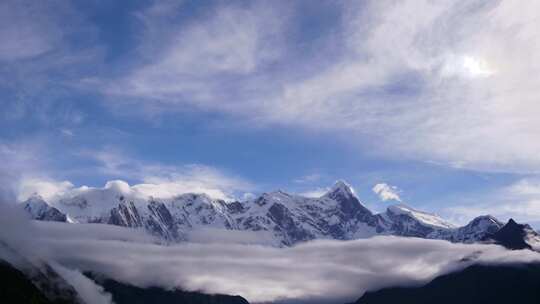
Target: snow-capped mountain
{"points": [[475, 230], [40, 210], [292, 218], [287, 218], [405, 221]]}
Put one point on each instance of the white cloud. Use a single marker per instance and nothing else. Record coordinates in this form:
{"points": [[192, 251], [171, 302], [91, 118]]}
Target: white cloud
{"points": [[248, 196], [89, 291], [153, 179], [201, 61], [386, 192], [40, 62], [224, 236], [67, 132], [327, 271], [307, 272], [23, 173], [166, 180], [18, 160], [440, 115], [310, 178], [193, 179], [315, 192], [519, 200], [48, 189], [529, 187], [444, 86], [189, 179]]}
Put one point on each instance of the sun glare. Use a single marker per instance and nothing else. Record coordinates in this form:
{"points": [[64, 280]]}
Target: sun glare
{"points": [[476, 67]]}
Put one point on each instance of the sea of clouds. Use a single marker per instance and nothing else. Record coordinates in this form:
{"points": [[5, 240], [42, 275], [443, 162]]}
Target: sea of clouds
{"points": [[319, 271]]}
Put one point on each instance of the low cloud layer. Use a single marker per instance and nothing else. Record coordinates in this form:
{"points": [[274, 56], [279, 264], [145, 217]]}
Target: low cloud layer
{"points": [[327, 271], [88, 291]]}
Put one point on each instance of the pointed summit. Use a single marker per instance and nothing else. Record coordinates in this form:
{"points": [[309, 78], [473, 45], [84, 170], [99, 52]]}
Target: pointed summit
{"points": [[340, 188], [35, 203], [511, 223], [348, 204], [39, 209], [512, 236]]}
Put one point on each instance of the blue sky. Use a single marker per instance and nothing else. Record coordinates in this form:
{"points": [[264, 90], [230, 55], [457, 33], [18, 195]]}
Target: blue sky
{"points": [[434, 100]]}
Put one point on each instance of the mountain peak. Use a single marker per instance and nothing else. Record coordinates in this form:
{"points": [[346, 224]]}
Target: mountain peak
{"points": [[35, 201], [512, 236], [39, 209], [486, 223], [35, 197], [342, 187], [511, 222]]}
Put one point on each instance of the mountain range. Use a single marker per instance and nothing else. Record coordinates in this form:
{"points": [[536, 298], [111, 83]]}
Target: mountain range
{"points": [[282, 219]]}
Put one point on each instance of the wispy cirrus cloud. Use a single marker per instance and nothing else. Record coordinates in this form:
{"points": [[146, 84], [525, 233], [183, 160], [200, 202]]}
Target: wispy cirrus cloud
{"points": [[24, 32], [444, 86], [42, 60], [204, 62], [430, 88]]}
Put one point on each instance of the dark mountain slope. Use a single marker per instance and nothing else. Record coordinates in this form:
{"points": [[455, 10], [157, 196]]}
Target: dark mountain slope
{"points": [[476, 284], [17, 288], [514, 236], [129, 294]]}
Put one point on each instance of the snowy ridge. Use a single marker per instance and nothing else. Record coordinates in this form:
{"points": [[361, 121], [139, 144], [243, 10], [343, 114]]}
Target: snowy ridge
{"points": [[425, 218], [287, 218], [38, 209]]}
